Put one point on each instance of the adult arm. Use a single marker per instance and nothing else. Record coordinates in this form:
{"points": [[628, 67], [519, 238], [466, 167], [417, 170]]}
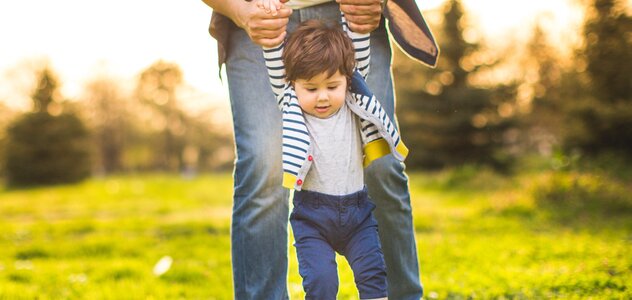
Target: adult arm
{"points": [[363, 16], [263, 29]]}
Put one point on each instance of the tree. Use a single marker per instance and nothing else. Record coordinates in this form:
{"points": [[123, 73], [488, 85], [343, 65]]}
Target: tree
{"points": [[157, 89], [47, 145], [445, 118], [600, 113], [540, 98], [6, 115], [607, 50], [106, 107], [46, 91]]}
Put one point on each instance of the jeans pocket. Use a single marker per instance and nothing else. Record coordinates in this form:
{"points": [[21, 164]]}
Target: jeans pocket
{"points": [[366, 212]]}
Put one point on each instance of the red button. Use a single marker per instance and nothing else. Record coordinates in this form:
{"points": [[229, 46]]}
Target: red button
{"points": [[310, 158], [299, 182]]}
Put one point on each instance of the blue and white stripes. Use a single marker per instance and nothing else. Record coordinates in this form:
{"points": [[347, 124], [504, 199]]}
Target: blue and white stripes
{"points": [[362, 46], [276, 72], [296, 140], [372, 116]]}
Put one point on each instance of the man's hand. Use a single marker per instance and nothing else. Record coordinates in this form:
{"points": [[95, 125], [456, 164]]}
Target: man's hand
{"points": [[264, 29], [363, 16]]}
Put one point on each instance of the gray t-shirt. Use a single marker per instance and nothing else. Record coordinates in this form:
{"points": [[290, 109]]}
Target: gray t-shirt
{"points": [[337, 154]]}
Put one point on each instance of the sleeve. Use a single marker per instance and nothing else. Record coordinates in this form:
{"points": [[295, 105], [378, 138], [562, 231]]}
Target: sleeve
{"points": [[362, 46], [276, 72]]}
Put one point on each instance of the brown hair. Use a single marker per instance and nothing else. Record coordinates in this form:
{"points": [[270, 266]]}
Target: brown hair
{"points": [[316, 47]]}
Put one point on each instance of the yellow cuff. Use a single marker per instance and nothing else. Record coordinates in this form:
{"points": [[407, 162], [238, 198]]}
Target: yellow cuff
{"points": [[374, 150], [402, 149], [289, 180]]}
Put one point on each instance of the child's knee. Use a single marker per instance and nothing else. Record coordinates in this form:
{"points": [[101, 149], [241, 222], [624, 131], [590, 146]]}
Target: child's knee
{"points": [[321, 283]]}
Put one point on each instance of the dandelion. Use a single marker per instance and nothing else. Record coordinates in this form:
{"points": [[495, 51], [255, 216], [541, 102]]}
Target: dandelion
{"points": [[163, 265]]}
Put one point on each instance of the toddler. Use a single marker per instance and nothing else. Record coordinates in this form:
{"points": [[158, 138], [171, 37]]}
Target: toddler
{"points": [[332, 127]]}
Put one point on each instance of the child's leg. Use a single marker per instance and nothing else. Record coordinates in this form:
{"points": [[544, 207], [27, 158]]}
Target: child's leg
{"points": [[316, 258], [365, 257]]}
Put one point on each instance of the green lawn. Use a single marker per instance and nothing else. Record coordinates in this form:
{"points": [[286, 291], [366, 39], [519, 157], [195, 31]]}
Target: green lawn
{"points": [[478, 237]]}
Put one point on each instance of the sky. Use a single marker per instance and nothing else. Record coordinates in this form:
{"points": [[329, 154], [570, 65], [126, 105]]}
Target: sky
{"points": [[120, 38]]}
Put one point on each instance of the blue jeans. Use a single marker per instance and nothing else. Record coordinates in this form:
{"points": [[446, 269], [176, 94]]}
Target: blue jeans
{"points": [[260, 205], [325, 224]]}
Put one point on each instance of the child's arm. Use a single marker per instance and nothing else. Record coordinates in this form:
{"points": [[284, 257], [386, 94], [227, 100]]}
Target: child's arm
{"points": [[362, 45], [276, 72]]}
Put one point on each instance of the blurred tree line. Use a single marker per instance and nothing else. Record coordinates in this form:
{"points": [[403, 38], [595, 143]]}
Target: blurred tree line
{"points": [[461, 112], [110, 131], [458, 114]]}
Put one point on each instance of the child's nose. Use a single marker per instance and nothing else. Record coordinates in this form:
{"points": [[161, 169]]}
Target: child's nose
{"points": [[323, 96]]}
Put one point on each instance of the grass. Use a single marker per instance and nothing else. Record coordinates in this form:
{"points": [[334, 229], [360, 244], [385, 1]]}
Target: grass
{"points": [[479, 235]]}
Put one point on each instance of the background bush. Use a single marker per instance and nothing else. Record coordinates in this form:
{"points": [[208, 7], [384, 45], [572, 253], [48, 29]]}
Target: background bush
{"points": [[45, 149], [573, 194]]}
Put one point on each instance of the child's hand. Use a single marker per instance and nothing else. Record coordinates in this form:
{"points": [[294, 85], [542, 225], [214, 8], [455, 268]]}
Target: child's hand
{"points": [[270, 6]]}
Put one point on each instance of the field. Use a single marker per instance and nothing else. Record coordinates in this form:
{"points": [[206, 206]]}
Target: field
{"points": [[479, 235]]}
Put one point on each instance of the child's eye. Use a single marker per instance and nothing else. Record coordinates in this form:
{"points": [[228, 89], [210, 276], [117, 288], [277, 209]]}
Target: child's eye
{"points": [[311, 89], [333, 87]]}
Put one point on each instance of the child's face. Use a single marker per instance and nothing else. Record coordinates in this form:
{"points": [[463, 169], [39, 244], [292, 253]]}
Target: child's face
{"points": [[321, 96]]}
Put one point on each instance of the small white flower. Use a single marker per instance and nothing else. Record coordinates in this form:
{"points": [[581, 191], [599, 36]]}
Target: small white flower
{"points": [[78, 278], [163, 265], [23, 265]]}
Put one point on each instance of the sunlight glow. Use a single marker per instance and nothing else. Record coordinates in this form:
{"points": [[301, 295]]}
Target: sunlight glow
{"points": [[81, 39]]}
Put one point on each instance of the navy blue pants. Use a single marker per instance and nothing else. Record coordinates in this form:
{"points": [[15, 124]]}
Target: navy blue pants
{"points": [[324, 224]]}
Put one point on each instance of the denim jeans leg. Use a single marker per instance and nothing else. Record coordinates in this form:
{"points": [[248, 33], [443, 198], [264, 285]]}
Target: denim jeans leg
{"points": [[365, 256], [388, 188], [260, 204]]}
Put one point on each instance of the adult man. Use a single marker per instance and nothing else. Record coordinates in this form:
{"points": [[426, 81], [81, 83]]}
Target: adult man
{"points": [[260, 209]]}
